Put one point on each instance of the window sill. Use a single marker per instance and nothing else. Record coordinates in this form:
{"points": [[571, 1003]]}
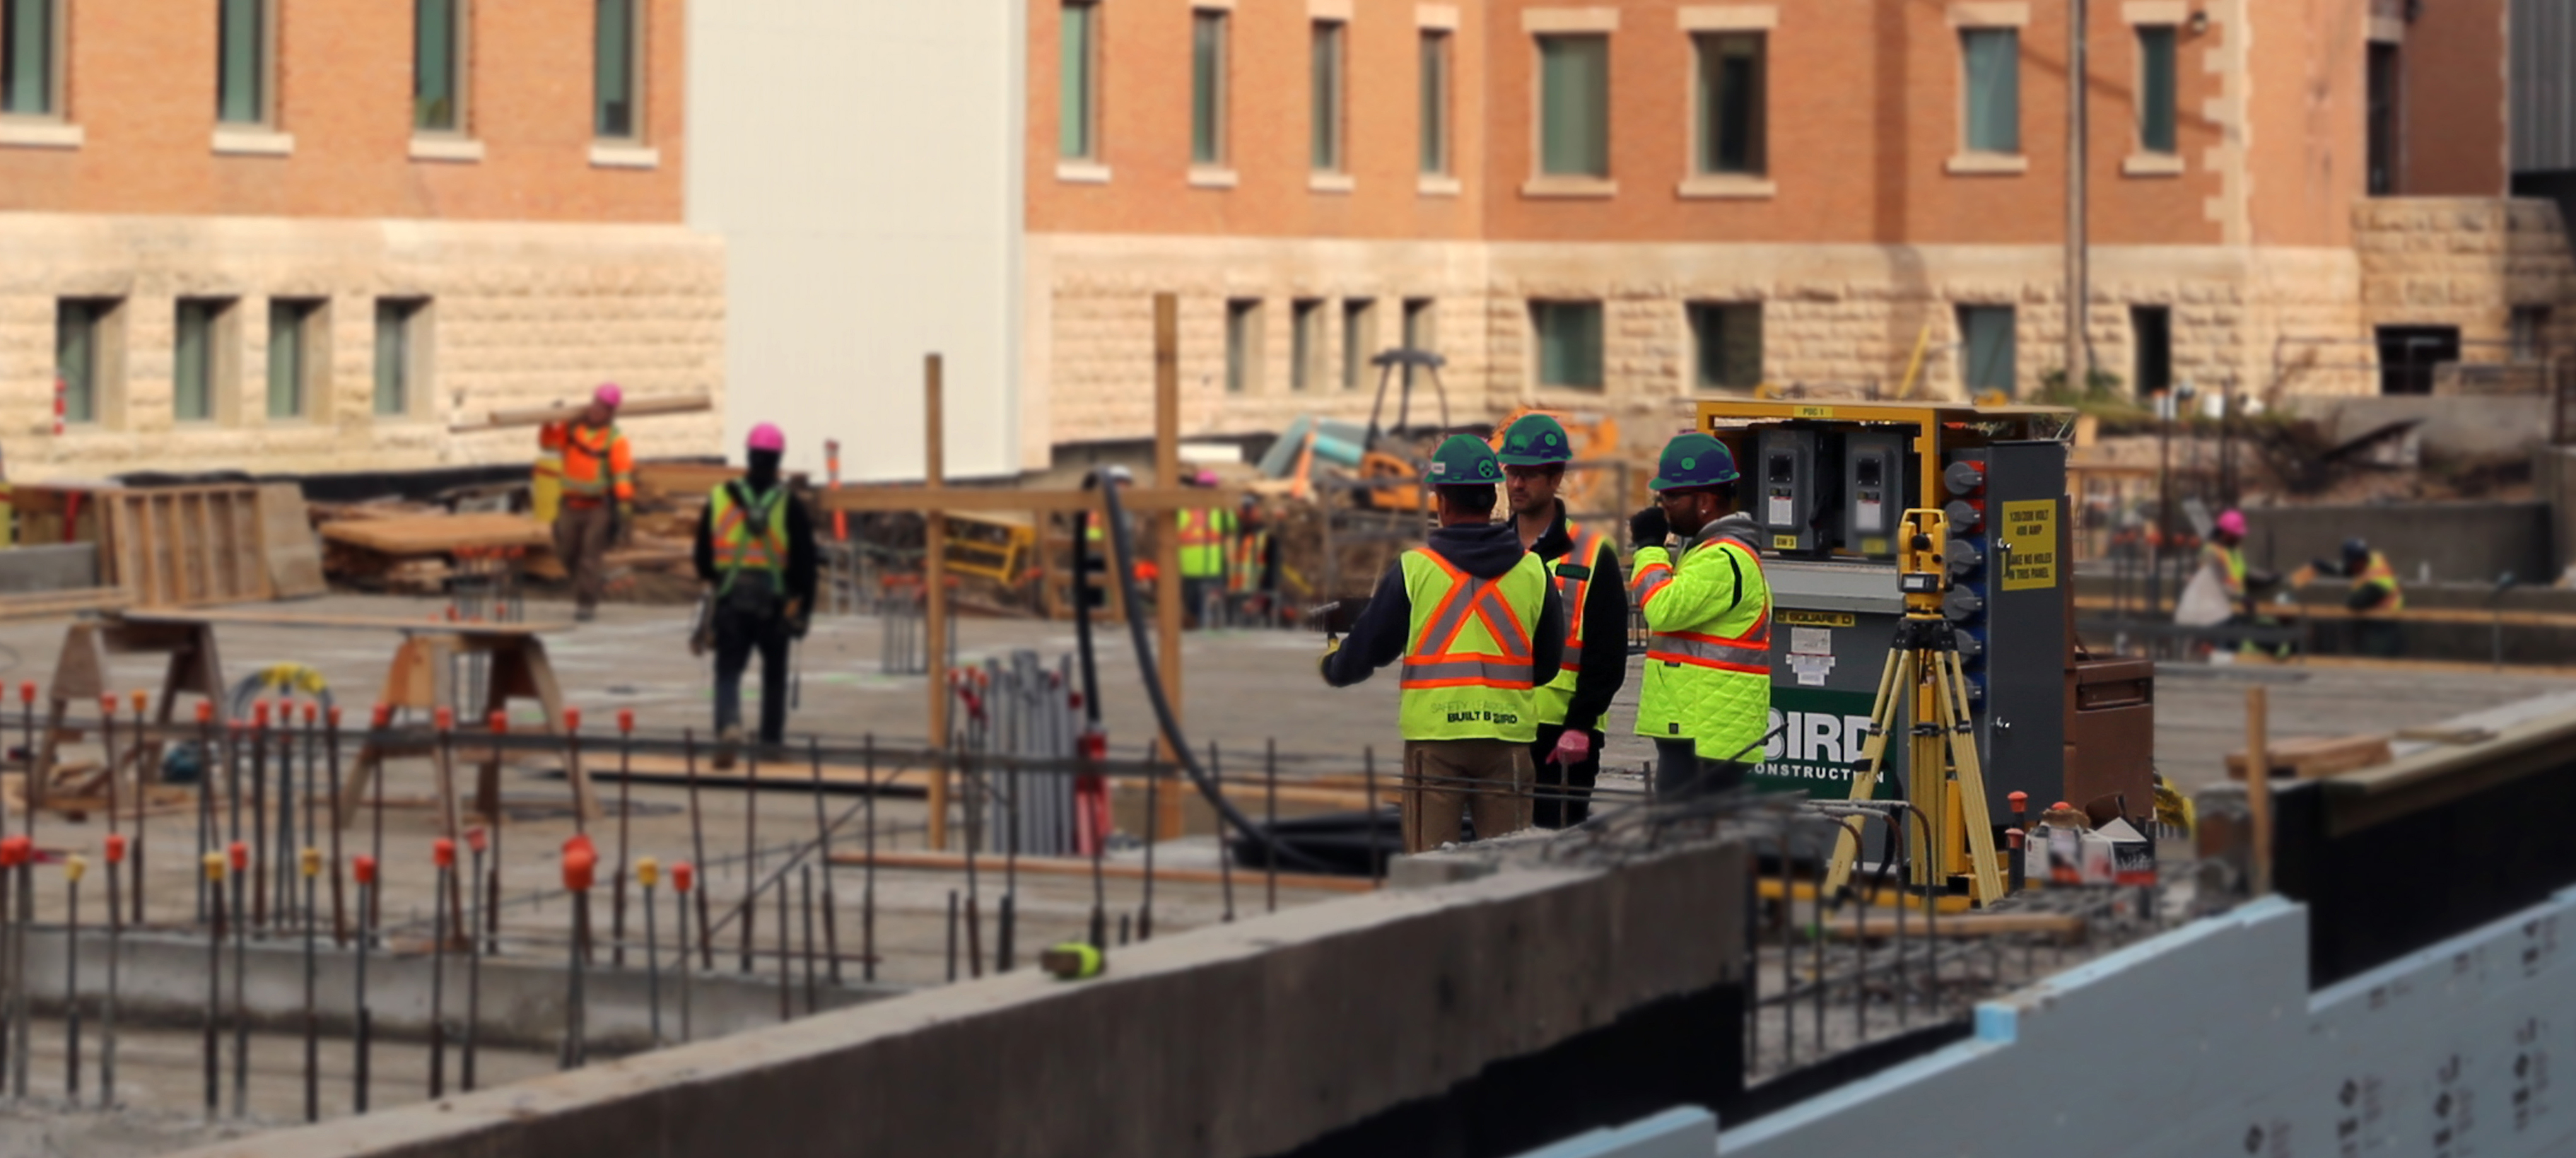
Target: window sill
{"points": [[624, 157], [1569, 187], [253, 143], [1082, 172], [1330, 183], [1211, 178], [1728, 186], [40, 135], [1435, 186], [446, 149], [2152, 165], [1988, 164]]}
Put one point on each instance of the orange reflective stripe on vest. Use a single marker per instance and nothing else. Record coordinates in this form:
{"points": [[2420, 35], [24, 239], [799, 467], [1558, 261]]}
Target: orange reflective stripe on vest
{"points": [[1430, 663], [1587, 549], [1749, 652]]}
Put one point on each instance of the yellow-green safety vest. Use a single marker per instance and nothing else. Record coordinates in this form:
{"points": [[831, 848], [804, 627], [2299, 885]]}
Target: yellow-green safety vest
{"points": [[1469, 673], [1573, 575], [1203, 535], [737, 547], [2384, 577], [1708, 680]]}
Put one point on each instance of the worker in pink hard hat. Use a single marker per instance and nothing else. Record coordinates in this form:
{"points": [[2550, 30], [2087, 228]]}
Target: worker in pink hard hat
{"points": [[2224, 556], [755, 552], [598, 471]]}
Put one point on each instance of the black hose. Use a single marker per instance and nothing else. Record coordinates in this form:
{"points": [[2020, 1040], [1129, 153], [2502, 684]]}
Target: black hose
{"points": [[1124, 538]]}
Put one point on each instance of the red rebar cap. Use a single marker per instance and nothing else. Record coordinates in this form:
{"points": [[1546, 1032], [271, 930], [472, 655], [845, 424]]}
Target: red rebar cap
{"points": [[365, 867], [205, 711], [15, 851], [2018, 799], [580, 862], [116, 848], [312, 711], [108, 702], [625, 719], [442, 852], [259, 712], [2012, 836], [683, 874], [499, 722], [474, 838], [239, 853], [382, 716], [334, 716], [572, 719], [446, 718], [27, 692]]}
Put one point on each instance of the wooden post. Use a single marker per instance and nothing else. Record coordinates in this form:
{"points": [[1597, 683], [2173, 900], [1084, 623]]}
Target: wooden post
{"points": [[2258, 789], [934, 592], [1167, 543]]}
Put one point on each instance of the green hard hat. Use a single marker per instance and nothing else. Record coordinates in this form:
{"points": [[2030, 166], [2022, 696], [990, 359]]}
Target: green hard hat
{"points": [[1465, 461], [1693, 460], [1535, 440]]}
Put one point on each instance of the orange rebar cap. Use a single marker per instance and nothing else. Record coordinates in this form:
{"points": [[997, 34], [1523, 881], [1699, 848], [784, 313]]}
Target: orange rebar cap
{"points": [[442, 852], [683, 874], [116, 848], [580, 862]]}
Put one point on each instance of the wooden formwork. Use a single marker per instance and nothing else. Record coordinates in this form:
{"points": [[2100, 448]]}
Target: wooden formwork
{"points": [[186, 546]]}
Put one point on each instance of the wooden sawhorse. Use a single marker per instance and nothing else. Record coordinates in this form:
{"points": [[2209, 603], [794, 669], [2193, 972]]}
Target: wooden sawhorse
{"points": [[80, 674], [422, 679]]}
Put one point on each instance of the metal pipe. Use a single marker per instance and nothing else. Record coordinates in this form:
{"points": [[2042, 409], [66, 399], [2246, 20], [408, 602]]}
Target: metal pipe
{"points": [[115, 949], [475, 947], [240, 863], [786, 949], [625, 810], [443, 856], [805, 897], [360, 1022], [311, 862], [339, 908], [823, 845], [1224, 859], [72, 867], [1270, 819], [697, 849], [868, 890], [211, 871], [681, 877], [750, 851], [647, 870], [1153, 819]]}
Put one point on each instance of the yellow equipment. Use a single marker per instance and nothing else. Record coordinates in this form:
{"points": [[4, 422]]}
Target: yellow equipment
{"points": [[1923, 680]]}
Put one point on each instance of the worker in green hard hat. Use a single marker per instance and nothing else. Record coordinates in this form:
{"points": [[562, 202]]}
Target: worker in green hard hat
{"points": [[1471, 617], [1706, 701], [1584, 565]]}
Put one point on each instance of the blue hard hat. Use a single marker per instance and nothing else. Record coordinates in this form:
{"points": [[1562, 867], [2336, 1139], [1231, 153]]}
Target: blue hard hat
{"points": [[1693, 460], [1535, 440], [1465, 461]]}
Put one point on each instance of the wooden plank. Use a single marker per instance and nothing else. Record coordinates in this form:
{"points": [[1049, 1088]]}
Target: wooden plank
{"points": [[1075, 867], [2316, 757], [437, 534], [958, 500], [50, 604], [257, 618], [633, 408]]}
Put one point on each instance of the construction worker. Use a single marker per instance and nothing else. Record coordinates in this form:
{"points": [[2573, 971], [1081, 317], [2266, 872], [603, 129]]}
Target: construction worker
{"points": [[2373, 597], [1472, 618], [1584, 565], [1706, 700], [755, 545], [1204, 534], [2224, 557], [598, 506]]}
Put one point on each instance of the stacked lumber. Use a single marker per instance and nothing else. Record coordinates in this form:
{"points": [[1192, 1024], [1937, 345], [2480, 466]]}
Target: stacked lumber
{"points": [[2315, 757], [417, 551], [186, 546]]}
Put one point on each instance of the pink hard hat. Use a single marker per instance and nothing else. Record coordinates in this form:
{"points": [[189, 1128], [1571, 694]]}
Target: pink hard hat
{"points": [[608, 394], [1205, 478], [767, 436], [2232, 522]]}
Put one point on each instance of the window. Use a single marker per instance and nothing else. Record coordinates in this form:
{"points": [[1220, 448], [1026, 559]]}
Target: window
{"points": [[1242, 344], [1987, 340], [1305, 343], [1730, 115], [2386, 122], [1418, 323], [1077, 82], [1574, 106], [242, 89], [2156, 99], [1569, 343], [2151, 327], [1435, 104], [1207, 88], [200, 358], [1359, 337], [292, 361], [398, 350], [1994, 89], [617, 92], [1728, 341], [1324, 104], [2408, 356], [2530, 333], [438, 66], [31, 58], [81, 356]]}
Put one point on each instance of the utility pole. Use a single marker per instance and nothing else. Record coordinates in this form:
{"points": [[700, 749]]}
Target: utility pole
{"points": [[2079, 368]]}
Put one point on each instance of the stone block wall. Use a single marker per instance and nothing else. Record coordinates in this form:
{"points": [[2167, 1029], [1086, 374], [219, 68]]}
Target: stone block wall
{"points": [[517, 315], [2466, 262]]}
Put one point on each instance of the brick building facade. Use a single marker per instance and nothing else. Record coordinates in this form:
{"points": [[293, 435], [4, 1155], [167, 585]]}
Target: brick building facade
{"points": [[1622, 204], [305, 235]]}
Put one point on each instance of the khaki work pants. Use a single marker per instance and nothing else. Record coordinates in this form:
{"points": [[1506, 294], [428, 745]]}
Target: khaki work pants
{"points": [[581, 542], [1441, 777]]}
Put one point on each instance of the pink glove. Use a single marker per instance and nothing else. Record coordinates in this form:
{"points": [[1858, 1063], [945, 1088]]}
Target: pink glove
{"points": [[1571, 748]]}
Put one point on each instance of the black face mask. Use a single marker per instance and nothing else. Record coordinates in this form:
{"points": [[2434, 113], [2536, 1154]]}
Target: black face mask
{"points": [[764, 470]]}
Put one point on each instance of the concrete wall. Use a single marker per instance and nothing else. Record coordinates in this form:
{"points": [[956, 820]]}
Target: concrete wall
{"points": [[2460, 542], [861, 160], [2207, 1041], [518, 315], [1233, 1040]]}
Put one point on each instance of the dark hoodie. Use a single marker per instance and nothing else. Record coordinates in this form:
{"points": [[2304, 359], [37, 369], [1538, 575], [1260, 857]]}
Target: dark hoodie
{"points": [[1486, 552], [1605, 620]]}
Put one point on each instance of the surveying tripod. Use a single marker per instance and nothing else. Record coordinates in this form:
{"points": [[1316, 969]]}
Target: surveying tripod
{"points": [[1943, 777]]}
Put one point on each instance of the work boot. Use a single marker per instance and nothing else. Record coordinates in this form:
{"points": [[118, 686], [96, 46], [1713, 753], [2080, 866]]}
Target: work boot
{"points": [[728, 742]]}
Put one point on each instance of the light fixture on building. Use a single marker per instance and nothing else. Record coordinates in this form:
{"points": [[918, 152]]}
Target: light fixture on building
{"points": [[2200, 22]]}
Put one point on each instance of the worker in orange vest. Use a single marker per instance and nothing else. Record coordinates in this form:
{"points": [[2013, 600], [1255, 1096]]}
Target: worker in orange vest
{"points": [[598, 494]]}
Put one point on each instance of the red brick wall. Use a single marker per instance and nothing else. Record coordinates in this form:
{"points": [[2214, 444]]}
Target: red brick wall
{"points": [[2455, 101], [141, 85]]}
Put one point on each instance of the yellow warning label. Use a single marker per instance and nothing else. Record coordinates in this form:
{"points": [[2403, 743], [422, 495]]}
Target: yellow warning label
{"points": [[1784, 542], [1811, 411], [1794, 618], [2028, 539]]}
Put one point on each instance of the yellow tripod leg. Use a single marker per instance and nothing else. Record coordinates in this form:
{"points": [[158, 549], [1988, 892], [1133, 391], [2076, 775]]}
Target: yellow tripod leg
{"points": [[1984, 870], [1864, 784]]}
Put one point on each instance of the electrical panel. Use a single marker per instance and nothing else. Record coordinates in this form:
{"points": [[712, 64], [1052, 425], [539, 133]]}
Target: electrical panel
{"points": [[2006, 504], [1789, 499], [1873, 468]]}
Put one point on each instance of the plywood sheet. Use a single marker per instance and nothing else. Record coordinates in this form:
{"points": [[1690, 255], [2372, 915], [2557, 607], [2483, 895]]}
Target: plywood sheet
{"points": [[437, 534], [294, 554]]}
